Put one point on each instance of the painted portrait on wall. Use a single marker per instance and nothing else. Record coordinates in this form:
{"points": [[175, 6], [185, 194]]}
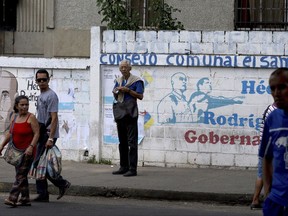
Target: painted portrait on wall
{"points": [[8, 91]]}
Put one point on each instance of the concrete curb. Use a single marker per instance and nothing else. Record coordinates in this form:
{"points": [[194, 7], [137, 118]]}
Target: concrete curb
{"points": [[75, 190]]}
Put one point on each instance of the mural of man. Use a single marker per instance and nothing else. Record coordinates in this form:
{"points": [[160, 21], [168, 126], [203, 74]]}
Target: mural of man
{"points": [[174, 107], [5, 104], [8, 90], [201, 100]]}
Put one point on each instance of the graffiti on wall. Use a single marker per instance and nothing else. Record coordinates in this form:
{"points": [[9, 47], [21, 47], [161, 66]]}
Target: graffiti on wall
{"points": [[74, 132], [185, 60], [200, 105], [8, 89], [176, 108]]}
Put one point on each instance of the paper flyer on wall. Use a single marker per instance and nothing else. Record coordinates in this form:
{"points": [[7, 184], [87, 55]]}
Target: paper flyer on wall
{"points": [[109, 74]]}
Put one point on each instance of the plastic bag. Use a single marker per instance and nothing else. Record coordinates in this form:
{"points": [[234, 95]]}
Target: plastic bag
{"points": [[50, 163], [54, 165], [42, 166], [32, 171]]}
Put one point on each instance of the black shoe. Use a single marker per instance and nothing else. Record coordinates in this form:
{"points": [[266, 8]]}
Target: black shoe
{"points": [[41, 198], [130, 173], [23, 203], [63, 190], [255, 206], [121, 171]]}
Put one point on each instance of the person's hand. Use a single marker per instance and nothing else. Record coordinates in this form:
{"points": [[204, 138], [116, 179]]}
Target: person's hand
{"points": [[49, 144], [29, 150], [123, 89], [115, 90]]}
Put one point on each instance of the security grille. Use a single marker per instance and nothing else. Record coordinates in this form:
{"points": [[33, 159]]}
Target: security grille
{"points": [[267, 15], [141, 7]]}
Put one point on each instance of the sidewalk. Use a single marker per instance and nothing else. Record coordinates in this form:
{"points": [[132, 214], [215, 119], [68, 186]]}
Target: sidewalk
{"points": [[191, 184]]}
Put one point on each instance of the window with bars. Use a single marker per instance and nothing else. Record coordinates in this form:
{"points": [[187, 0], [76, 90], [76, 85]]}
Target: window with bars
{"points": [[8, 10], [143, 9], [261, 15]]}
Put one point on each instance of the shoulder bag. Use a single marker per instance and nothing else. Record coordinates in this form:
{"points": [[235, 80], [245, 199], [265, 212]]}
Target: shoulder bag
{"points": [[126, 108]]}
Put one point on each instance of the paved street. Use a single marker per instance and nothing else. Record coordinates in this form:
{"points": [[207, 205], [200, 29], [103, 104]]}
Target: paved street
{"points": [[75, 206]]}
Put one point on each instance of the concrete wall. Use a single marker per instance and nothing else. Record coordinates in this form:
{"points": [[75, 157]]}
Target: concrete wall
{"points": [[225, 132], [205, 15], [217, 127], [70, 79]]}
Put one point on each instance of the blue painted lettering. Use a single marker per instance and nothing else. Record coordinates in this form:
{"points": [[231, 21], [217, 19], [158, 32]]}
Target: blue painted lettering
{"points": [[135, 58], [233, 120], [101, 59], [180, 60], [284, 62], [112, 59], [207, 60], [193, 61], [261, 89], [152, 59], [249, 87], [143, 62], [168, 59], [228, 62], [264, 61], [197, 60], [247, 61]]}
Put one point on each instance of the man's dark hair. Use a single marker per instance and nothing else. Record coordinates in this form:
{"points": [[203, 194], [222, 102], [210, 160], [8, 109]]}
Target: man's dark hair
{"points": [[279, 71], [43, 71]]}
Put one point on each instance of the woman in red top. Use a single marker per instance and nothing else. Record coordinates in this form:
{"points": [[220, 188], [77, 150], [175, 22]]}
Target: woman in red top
{"points": [[25, 134]]}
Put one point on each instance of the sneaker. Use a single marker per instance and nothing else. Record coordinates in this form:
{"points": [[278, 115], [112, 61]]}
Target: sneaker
{"points": [[10, 203], [63, 190], [41, 198]]}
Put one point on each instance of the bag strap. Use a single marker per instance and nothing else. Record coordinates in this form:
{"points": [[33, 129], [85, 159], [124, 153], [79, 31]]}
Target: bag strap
{"points": [[13, 122], [48, 122]]}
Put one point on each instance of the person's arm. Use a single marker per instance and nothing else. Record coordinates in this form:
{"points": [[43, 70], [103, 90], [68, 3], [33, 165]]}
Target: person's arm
{"points": [[134, 93], [7, 134], [115, 90], [53, 128], [266, 152], [35, 128], [267, 175], [138, 93], [5, 141]]}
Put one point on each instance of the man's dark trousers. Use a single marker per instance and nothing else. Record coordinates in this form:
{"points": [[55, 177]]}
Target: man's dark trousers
{"points": [[128, 137]]}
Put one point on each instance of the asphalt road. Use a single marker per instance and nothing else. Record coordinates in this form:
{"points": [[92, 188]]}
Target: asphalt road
{"points": [[76, 205]]}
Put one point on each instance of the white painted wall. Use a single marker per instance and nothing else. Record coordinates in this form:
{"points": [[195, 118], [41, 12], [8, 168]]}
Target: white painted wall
{"points": [[238, 65]]}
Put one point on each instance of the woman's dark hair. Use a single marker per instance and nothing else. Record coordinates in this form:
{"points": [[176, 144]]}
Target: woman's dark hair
{"points": [[17, 100]]}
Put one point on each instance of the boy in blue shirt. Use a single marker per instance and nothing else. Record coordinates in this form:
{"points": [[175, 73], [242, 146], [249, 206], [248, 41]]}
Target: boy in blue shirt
{"points": [[274, 148]]}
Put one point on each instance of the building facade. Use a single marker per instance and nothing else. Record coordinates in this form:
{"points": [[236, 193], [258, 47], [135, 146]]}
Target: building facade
{"points": [[219, 67], [61, 28]]}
